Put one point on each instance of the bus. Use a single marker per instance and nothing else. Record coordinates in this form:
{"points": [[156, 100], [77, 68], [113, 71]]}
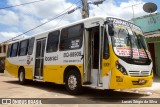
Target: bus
{"points": [[99, 52]]}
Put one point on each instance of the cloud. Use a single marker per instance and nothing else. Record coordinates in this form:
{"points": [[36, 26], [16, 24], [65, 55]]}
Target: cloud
{"points": [[123, 10], [26, 17], [23, 18], [52, 25], [8, 35], [28, 22], [8, 18], [43, 9]]}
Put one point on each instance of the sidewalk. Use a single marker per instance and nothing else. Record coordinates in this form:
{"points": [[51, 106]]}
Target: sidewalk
{"points": [[156, 83]]}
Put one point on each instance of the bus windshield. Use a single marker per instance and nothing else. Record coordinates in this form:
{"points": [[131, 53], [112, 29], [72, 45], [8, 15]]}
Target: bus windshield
{"points": [[128, 43], [128, 40]]}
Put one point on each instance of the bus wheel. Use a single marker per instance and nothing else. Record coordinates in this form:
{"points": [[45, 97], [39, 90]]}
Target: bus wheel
{"points": [[73, 82], [21, 76]]}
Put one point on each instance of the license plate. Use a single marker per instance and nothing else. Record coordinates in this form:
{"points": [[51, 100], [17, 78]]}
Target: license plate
{"points": [[141, 81]]}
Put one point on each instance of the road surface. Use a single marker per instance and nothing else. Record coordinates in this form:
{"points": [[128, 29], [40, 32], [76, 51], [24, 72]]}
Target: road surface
{"points": [[10, 88]]}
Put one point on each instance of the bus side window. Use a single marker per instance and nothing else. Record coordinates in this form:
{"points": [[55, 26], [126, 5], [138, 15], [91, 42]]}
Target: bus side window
{"points": [[106, 46], [53, 40], [30, 46], [9, 50], [23, 48], [14, 49], [71, 38]]}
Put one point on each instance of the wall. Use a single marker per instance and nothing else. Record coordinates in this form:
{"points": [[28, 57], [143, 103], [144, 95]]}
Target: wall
{"points": [[157, 57], [148, 23]]}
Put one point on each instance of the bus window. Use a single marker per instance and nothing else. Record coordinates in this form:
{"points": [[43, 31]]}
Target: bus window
{"points": [[23, 48], [30, 46], [71, 38], [9, 50], [14, 49], [38, 49], [52, 43], [106, 46]]}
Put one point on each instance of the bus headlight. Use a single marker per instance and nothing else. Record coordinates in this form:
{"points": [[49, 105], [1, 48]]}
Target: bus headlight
{"points": [[121, 68]]}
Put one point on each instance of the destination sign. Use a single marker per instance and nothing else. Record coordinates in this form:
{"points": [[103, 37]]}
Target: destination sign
{"points": [[120, 22]]}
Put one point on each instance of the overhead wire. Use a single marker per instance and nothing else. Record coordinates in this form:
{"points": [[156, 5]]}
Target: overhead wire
{"points": [[68, 12], [57, 16], [62, 18], [21, 4]]}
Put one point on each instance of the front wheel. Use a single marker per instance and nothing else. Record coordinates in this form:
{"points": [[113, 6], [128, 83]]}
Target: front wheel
{"points": [[73, 82], [21, 76]]}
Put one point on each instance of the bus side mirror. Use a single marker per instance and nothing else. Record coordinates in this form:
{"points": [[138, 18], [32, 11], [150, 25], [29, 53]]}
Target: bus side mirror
{"points": [[111, 29]]}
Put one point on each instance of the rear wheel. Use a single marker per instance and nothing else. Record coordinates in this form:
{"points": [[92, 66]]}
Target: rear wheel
{"points": [[73, 82], [21, 76]]}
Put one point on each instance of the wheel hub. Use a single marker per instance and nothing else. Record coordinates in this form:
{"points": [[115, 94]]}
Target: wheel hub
{"points": [[21, 76], [72, 82]]}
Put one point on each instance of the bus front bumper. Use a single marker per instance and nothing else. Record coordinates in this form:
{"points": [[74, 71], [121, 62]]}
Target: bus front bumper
{"points": [[127, 82]]}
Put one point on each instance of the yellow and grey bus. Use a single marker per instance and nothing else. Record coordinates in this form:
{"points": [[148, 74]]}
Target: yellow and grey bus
{"points": [[98, 52]]}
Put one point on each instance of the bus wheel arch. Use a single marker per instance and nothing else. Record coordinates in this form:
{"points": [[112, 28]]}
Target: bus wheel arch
{"points": [[72, 80], [21, 75]]}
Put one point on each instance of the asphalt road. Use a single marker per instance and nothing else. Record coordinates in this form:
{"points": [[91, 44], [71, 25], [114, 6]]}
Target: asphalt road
{"points": [[10, 88]]}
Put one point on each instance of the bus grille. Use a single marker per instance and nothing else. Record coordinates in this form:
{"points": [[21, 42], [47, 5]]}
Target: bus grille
{"points": [[139, 73]]}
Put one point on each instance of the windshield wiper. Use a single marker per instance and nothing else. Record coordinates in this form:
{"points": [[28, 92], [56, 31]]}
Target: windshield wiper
{"points": [[119, 37], [129, 40], [139, 40]]}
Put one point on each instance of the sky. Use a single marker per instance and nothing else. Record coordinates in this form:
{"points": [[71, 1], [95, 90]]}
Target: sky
{"points": [[14, 21]]}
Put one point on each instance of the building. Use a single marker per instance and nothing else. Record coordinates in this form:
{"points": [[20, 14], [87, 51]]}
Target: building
{"points": [[150, 25], [3, 52]]}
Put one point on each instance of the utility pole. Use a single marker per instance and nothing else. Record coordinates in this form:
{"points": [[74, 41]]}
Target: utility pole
{"points": [[85, 9]]}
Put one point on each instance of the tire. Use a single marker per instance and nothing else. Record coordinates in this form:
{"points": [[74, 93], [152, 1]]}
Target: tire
{"points": [[73, 82], [1, 70], [109, 90], [21, 76]]}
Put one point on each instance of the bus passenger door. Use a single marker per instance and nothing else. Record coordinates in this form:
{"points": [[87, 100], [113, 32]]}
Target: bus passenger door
{"points": [[39, 59], [93, 54]]}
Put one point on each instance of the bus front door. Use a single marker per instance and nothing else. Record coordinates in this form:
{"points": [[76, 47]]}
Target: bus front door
{"points": [[39, 59], [93, 56]]}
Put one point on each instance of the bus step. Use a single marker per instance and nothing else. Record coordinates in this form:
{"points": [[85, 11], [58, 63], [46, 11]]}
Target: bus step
{"points": [[87, 83], [38, 80], [37, 77]]}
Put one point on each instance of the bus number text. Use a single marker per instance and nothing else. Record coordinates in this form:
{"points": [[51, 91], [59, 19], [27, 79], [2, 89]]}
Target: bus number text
{"points": [[72, 54]]}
